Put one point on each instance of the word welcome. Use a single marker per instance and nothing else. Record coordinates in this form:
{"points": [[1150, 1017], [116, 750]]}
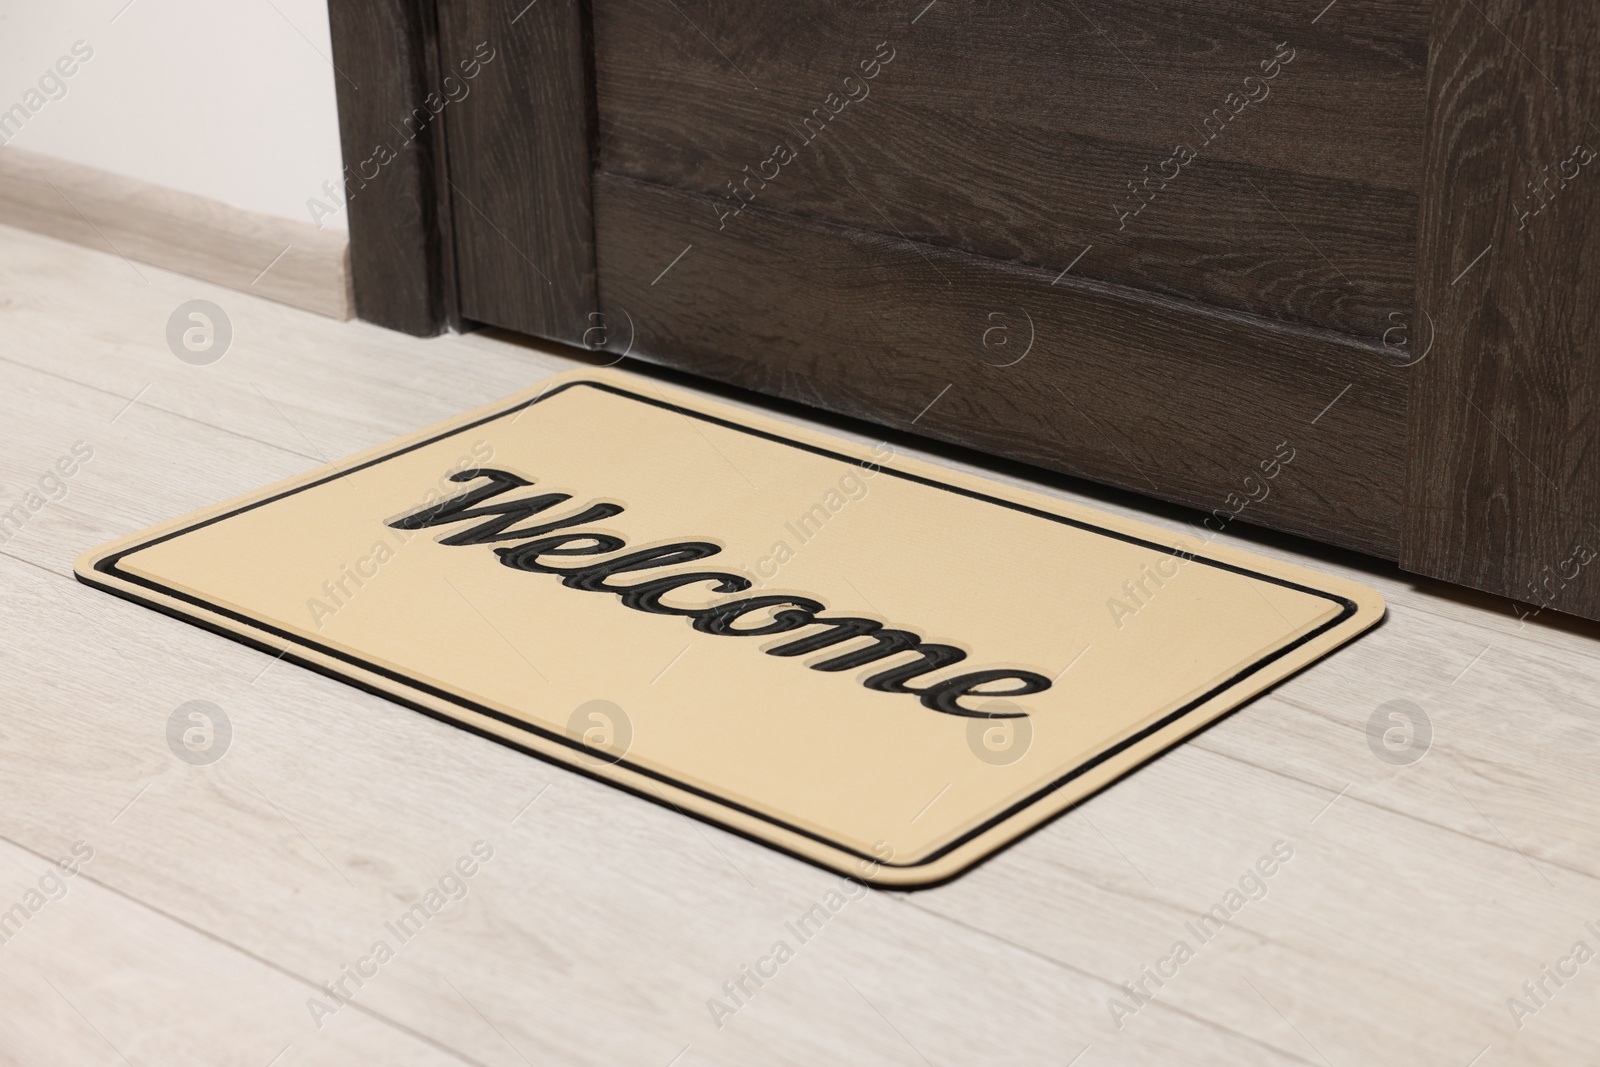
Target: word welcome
{"points": [[738, 989], [811, 127], [1252, 886], [1580, 158], [850, 487], [1537, 989], [451, 888], [51, 487], [1137, 593], [52, 887], [1233, 105], [797, 612], [337, 591], [52, 86], [455, 91]]}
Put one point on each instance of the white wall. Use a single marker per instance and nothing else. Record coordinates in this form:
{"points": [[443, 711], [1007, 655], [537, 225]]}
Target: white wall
{"points": [[229, 99]]}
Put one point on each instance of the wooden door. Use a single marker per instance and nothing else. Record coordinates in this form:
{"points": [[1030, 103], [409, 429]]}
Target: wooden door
{"points": [[1161, 244]]}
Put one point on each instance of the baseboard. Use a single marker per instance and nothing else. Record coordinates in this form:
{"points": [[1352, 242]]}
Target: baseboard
{"points": [[276, 258]]}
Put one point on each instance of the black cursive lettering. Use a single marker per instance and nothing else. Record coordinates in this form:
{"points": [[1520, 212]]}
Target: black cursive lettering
{"points": [[539, 544]]}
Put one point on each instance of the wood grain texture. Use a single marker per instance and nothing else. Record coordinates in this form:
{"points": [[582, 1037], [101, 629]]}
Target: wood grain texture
{"points": [[1504, 449], [298, 846], [520, 162], [1160, 396], [1014, 131], [94, 975], [391, 143], [604, 923], [280, 259]]}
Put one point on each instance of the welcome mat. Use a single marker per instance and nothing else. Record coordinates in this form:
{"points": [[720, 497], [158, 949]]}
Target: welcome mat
{"points": [[874, 663]]}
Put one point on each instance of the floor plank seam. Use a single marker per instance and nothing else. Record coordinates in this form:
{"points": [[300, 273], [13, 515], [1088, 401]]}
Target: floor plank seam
{"points": [[165, 411], [1075, 969], [247, 953], [1557, 864]]}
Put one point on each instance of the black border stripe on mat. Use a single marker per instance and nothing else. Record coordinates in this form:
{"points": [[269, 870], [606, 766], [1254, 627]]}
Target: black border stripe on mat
{"points": [[109, 566]]}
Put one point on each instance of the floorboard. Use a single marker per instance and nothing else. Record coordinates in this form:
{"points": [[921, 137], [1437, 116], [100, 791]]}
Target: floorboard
{"points": [[220, 898]]}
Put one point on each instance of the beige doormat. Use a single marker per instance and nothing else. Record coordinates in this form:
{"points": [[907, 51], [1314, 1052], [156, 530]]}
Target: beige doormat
{"points": [[874, 663]]}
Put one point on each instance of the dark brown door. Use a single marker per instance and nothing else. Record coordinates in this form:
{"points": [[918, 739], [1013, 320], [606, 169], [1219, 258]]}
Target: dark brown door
{"points": [[1162, 244]]}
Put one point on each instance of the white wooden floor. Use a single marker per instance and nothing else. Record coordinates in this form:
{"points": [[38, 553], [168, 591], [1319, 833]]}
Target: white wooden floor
{"points": [[220, 898]]}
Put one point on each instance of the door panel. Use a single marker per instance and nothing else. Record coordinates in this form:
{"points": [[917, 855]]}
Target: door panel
{"points": [[1034, 132], [1155, 395]]}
